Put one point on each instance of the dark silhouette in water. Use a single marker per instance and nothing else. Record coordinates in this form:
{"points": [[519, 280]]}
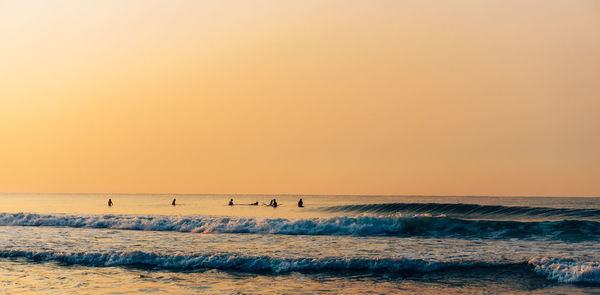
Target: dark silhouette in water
{"points": [[254, 204], [273, 203], [230, 202], [173, 203], [110, 203], [300, 203]]}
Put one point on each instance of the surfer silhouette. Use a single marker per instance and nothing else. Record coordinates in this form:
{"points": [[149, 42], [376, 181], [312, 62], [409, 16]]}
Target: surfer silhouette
{"points": [[173, 203], [300, 203], [274, 204], [110, 203], [230, 202]]}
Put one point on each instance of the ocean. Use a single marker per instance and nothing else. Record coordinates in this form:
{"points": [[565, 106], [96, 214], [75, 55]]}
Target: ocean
{"points": [[75, 243]]}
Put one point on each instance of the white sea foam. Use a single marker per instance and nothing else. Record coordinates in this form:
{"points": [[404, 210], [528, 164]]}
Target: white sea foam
{"points": [[567, 271]]}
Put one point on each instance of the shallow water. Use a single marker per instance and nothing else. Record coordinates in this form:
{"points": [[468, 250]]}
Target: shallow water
{"points": [[76, 244]]}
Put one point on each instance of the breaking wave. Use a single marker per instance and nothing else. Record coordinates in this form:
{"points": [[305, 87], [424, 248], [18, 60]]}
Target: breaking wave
{"points": [[562, 271], [226, 262], [422, 226], [567, 271]]}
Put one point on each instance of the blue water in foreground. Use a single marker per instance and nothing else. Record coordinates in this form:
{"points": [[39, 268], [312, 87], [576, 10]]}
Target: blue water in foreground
{"points": [[336, 244]]}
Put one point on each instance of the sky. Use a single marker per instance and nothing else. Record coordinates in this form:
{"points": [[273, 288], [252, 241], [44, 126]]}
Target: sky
{"points": [[300, 97]]}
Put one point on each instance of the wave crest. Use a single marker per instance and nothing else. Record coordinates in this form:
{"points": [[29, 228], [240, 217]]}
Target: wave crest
{"points": [[227, 262], [460, 210], [552, 269], [422, 226]]}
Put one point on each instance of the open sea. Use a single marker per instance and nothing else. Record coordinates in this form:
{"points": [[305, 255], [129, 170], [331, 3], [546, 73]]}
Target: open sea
{"points": [[75, 243]]}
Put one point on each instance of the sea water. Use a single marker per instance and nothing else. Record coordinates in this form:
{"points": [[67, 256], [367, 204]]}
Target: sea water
{"points": [[336, 244]]}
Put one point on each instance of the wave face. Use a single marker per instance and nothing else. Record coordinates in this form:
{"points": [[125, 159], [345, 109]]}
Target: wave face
{"points": [[567, 272], [471, 211], [442, 227]]}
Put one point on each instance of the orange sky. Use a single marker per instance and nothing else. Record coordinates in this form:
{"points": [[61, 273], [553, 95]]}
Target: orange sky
{"points": [[331, 97]]}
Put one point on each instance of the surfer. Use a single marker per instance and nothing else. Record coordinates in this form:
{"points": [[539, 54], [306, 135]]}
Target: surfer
{"points": [[254, 204], [300, 203], [173, 203], [274, 204], [110, 203], [271, 203], [230, 202]]}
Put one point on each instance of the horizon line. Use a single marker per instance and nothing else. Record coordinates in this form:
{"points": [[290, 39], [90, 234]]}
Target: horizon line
{"points": [[305, 194]]}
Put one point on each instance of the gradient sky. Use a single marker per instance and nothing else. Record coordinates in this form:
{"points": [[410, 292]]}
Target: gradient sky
{"points": [[328, 97]]}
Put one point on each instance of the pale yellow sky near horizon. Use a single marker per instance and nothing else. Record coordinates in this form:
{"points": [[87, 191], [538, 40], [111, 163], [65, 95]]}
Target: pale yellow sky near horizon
{"points": [[310, 97]]}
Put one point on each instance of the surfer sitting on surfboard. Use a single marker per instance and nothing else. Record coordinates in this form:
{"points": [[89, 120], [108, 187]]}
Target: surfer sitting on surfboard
{"points": [[272, 203]]}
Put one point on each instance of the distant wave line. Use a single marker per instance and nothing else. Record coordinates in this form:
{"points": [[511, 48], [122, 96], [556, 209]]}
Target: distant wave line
{"points": [[461, 210]]}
